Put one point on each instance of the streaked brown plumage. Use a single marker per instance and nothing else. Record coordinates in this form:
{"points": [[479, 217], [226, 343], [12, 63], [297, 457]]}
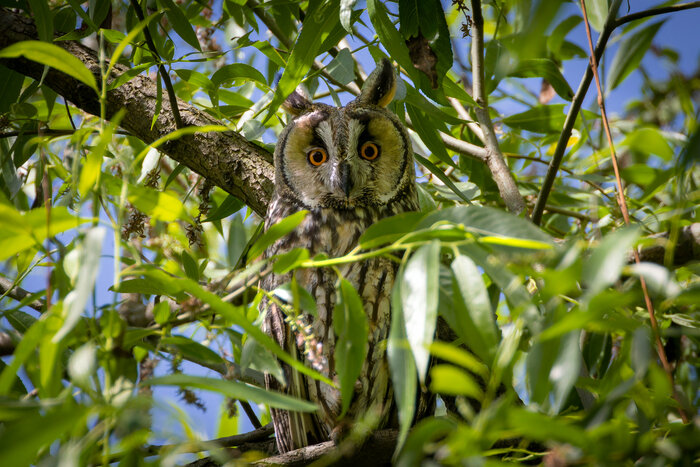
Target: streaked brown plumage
{"points": [[349, 167]]}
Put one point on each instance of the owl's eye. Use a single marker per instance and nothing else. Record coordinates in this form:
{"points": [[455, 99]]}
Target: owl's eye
{"points": [[317, 156], [369, 151]]}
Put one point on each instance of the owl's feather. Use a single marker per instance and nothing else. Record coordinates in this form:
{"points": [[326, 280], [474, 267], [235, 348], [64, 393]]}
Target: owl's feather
{"points": [[345, 193]]}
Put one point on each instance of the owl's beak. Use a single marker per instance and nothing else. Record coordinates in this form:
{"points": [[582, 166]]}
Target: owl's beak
{"points": [[345, 178]]}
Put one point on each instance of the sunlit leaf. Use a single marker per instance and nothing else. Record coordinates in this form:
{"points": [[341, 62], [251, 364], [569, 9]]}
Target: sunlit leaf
{"points": [[479, 326], [53, 56], [351, 328], [401, 363], [630, 53], [419, 299], [275, 232]]}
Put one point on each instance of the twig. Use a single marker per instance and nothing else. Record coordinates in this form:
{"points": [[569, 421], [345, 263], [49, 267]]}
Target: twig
{"points": [[655, 11], [250, 413], [494, 158], [625, 214], [161, 68], [464, 115], [9, 289]]}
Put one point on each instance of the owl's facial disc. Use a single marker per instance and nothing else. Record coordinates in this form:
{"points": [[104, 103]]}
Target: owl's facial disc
{"points": [[344, 158]]}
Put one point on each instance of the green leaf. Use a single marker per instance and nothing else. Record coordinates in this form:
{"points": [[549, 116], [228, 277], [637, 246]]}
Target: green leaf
{"points": [[519, 299], [127, 40], [443, 178], [648, 140], [275, 232], [299, 297], [150, 287], [459, 356], [10, 88], [341, 68], [419, 300], [234, 390], [23, 439], [351, 328], [479, 326], [597, 12], [25, 230], [603, 267], [390, 229], [565, 370], [401, 363], [89, 264], [230, 205], [448, 379], [228, 74], [192, 350], [540, 119], [485, 221], [257, 357], [543, 428], [428, 134], [160, 205], [43, 19], [321, 19], [346, 14], [290, 260], [547, 69], [556, 40], [629, 55], [53, 56], [180, 23]]}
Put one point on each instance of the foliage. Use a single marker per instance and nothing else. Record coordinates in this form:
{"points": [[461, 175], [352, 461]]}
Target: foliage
{"points": [[552, 343]]}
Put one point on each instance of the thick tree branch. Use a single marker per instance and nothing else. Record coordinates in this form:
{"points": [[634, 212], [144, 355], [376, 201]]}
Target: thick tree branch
{"points": [[494, 158], [377, 450], [227, 159]]}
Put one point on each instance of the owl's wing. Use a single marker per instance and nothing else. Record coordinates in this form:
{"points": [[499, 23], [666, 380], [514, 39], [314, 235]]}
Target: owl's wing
{"points": [[293, 430]]}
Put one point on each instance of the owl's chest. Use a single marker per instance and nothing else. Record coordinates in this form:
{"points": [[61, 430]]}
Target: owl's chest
{"points": [[329, 231]]}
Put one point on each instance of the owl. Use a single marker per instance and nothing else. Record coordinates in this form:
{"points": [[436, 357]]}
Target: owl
{"points": [[349, 167]]}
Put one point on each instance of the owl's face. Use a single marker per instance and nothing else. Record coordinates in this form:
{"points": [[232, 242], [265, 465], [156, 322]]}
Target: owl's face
{"points": [[343, 158]]}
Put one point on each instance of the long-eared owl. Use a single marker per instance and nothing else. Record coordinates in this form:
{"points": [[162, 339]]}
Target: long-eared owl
{"points": [[349, 167]]}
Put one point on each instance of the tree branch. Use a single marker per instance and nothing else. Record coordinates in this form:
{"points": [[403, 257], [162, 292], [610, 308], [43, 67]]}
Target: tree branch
{"points": [[655, 12], [494, 158], [9, 289], [227, 160], [377, 450]]}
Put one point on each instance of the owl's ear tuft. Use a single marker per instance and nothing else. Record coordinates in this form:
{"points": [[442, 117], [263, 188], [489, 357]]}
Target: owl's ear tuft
{"points": [[380, 87], [297, 103]]}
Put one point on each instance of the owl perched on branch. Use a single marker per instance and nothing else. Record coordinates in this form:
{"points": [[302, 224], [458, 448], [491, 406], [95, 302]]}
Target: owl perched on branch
{"points": [[349, 167]]}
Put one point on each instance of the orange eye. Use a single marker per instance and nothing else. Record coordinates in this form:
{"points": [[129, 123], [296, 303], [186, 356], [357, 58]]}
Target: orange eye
{"points": [[317, 156], [369, 151]]}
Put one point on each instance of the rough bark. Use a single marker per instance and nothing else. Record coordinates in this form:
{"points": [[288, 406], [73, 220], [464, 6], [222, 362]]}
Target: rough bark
{"points": [[227, 159]]}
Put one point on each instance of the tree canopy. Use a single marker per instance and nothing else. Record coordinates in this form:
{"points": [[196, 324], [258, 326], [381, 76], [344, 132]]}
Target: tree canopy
{"points": [[551, 276]]}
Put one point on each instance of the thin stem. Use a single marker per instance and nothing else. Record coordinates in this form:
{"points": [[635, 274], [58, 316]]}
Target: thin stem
{"points": [[625, 214], [655, 11], [161, 67], [250, 413]]}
